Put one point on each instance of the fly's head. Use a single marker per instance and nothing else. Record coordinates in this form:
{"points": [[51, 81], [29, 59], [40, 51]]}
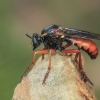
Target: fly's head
{"points": [[36, 40]]}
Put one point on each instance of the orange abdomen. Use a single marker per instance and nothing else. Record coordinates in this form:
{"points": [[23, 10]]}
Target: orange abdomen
{"points": [[87, 45]]}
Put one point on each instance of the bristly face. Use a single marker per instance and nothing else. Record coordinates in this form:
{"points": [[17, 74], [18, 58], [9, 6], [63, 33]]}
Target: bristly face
{"points": [[36, 40]]}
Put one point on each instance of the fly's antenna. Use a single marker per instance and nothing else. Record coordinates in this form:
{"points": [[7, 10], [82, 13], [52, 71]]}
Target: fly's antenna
{"points": [[28, 36]]}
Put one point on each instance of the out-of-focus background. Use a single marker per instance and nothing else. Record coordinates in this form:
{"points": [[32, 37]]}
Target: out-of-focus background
{"points": [[18, 17]]}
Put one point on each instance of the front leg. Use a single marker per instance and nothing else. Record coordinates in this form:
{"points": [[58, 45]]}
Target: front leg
{"points": [[34, 60]]}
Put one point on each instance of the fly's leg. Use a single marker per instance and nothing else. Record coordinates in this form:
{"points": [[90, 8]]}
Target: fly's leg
{"points": [[78, 54], [43, 54], [33, 60], [83, 74], [49, 66]]}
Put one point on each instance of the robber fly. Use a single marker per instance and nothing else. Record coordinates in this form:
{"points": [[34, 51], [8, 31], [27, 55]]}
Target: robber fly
{"points": [[53, 37]]}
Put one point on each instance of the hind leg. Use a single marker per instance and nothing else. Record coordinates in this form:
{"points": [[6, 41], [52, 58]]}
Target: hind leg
{"points": [[83, 74], [78, 60]]}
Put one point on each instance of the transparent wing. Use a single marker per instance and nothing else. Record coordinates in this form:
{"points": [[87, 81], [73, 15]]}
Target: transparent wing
{"points": [[81, 34]]}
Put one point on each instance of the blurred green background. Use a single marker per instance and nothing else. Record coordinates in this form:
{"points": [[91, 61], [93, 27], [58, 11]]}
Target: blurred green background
{"points": [[17, 17]]}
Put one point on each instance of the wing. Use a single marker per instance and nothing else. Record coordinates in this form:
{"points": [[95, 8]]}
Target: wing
{"points": [[81, 34]]}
